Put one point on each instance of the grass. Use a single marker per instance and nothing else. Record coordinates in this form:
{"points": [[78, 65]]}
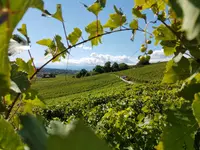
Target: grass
{"points": [[149, 73]]}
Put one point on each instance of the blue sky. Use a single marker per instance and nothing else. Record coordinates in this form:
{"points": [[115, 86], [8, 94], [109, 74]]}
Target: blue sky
{"points": [[116, 47]]}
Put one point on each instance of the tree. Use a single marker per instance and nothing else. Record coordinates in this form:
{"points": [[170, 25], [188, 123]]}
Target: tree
{"points": [[82, 73], [115, 67], [107, 67], [123, 66], [99, 69]]}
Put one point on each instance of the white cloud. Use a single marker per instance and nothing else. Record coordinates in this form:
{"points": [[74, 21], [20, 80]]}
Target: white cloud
{"points": [[84, 47], [93, 59], [158, 55]]}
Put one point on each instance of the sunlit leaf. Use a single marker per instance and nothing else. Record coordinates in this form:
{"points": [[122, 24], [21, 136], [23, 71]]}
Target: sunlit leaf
{"points": [[58, 13], [14, 87], [115, 21], [74, 36], [94, 29], [162, 33], [196, 107], [95, 8], [23, 30], [9, 139], [25, 66], [45, 42], [134, 24]]}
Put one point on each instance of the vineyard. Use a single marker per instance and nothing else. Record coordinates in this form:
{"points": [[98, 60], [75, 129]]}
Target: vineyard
{"points": [[159, 111]]}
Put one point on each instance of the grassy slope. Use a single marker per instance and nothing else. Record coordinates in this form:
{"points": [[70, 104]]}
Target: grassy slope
{"points": [[58, 90], [149, 73], [49, 89]]}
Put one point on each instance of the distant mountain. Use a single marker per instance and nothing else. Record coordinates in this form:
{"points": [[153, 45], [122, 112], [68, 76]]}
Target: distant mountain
{"points": [[58, 71]]}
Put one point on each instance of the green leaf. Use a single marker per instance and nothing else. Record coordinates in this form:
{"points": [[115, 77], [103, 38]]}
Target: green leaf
{"points": [[189, 9], [33, 133], [23, 30], [45, 42], [58, 13], [169, 47], [6, 30], [102, 3], [115, 21], [74, 36], [190, 87], [95, 8], [20, 78], [117, 10], [9, 139], [94, 29], [196, 107], [176, 71], [138, 14], [162, 33], [134, 24], [178, 134], [14, 87], [25, 66], [74, 138]]}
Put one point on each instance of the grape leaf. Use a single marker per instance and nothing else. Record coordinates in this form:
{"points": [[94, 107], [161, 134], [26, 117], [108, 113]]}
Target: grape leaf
{"points": [[14, 87], [102, 3], [190, 87], [161, 4], [25, 66], [188, 9], [45, 42], [162, 33], [176, 71], [115, 21], [23, 30], [95, 28], [9, 139], [74, 36], [178, 134], [134, 24], [58, 13], [18, 8], [20, 78], [196, 107], [95, 8], [33, 133], [138, 14], [74, 138]]}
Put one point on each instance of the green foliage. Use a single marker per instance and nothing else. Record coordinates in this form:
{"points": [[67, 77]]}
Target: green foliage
{"points": [[116, 20], [9, 139], [138, 14], [177, 70], [95, 8], [58, 14], [134, 24], [75, 132], [188, 9], [74, 36], [178, 134], [196, 106], [94, 29]]}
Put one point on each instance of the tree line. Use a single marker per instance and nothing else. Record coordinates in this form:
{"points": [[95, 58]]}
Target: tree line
{"points": [[98, 69]]}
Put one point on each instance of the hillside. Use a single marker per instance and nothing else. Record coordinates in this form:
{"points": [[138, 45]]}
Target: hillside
{"points": [[149, 73]]}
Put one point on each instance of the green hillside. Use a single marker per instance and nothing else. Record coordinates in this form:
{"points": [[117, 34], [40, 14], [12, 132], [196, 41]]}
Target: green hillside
{"points": [[149, 73], [51, 88]]}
